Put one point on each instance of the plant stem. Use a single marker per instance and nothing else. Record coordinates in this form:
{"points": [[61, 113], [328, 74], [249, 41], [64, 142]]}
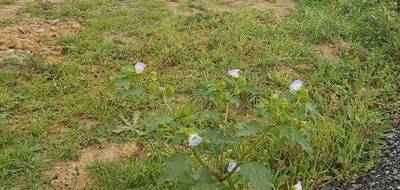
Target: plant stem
{"points": [[245, 154], [230, 173], [226, 112], [253, 146], [197, 156], [166, 104], [221, 161]]}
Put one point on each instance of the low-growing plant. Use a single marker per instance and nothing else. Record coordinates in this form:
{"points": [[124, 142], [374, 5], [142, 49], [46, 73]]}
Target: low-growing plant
{"points": [[221, 149]]}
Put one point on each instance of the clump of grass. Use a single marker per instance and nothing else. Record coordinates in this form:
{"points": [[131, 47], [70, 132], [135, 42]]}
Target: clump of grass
{"points": [[7, 2]]}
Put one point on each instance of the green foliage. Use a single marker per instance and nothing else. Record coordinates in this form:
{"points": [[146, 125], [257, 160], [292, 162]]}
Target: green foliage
{"points": [[224, 139], [178, 167], [52, 111], [256, 175], [299, 136]]}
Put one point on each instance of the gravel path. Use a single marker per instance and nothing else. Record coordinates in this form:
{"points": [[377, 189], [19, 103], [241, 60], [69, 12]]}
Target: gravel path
{"points": [[386, 174]]}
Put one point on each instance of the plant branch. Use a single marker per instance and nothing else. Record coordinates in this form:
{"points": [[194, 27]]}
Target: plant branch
{"points": [[166, 104], [226, 112], [198, 158], [230, 173], [245, 154]]}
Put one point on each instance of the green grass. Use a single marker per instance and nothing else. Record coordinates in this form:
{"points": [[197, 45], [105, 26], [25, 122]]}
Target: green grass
{"points": [[7, 2], [36, 97]]}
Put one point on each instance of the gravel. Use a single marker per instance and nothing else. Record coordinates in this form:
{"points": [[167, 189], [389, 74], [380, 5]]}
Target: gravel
{"points": [[386, 174]]}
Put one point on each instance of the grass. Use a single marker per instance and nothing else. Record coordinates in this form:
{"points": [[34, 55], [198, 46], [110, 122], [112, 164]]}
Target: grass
{"points": [[36, 97], [7, 2]]}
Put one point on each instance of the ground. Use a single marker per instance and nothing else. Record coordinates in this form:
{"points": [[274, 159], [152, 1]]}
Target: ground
{"points": [[60, 126]]}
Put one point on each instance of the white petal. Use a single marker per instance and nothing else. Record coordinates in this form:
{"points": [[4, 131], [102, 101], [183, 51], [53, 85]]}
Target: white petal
{"points": [[194, 140], [139, 67], [232, 164], [234, 73], [296, 85], [298, 186]]}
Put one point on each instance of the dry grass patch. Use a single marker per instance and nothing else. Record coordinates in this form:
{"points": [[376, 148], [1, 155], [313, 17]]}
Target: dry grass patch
{"points": [[73, 174]]}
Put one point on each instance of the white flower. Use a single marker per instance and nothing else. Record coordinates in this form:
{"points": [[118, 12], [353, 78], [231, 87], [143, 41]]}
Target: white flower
{"points": [[298, 186], [139, 67], [194, 140], [296, 85], [232, 164], [234, 73]]}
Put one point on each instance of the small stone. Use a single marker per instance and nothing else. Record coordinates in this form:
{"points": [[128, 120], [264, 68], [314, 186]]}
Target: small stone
{"points": [[54, 21], [8, 51], [40, 30]]}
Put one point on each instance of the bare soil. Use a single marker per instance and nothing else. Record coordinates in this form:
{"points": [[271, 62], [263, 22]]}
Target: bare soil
{"points": [[36, 36], [332, 52], [279, 8], [74, 174]]}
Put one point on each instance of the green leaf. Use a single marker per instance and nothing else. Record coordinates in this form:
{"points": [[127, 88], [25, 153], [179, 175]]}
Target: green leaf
{"points": [[250, 129], [264, 114], [122, 80], [185, 115], [209, 115], [154, 122], [298, 136], [234, 100], [256, 175], [178, 167], [205, 180], [177, 138], [121, 129], [312, 108], [251, 90], [153, 87], [133, 91], [169, 91]]}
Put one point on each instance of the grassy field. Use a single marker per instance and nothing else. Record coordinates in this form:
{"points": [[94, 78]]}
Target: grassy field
{"points": [[346, 51]]}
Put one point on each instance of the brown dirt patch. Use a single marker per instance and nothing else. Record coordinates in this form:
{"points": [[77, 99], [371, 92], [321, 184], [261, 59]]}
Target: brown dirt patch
{"points": [[9, 11], [73, 174], [287, 72], [85, 119], [36, 36], [121, 38], [58, 132], [183, 98], [279, 8], [172, 4], [331, 52]]}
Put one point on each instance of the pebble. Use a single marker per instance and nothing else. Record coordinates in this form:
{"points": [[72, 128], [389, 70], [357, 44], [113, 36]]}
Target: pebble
{"points": [[8, 51], [41, 30], [54, 21]]}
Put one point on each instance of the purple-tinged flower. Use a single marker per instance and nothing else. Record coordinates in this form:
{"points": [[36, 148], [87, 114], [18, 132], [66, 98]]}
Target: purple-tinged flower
{"points": [[234, 73], [232, 164], [194, 140], [139, 67], [296, 85], [298, 186]]}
